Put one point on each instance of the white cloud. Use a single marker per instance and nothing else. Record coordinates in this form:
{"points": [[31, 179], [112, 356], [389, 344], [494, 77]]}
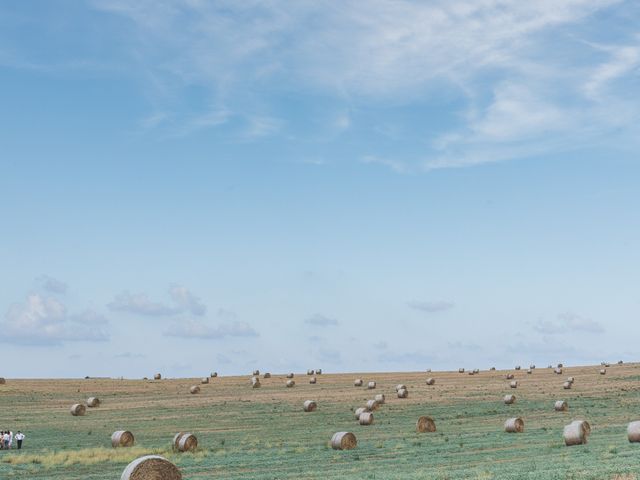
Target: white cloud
{"points": [[198, 329], [320, 320], [140, 303], [568, 323], [51, 284], [42, 320], [431, 307]]}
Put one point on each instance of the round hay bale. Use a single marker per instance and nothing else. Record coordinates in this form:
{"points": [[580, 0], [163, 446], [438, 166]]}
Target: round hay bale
{"points": [[204, 380], [472, 372], [425, 424], [379, 398], [371, 385], [366, 418], [532, 366], [194, 389], [529, 371], [93, 402], [571, 379], [266, 375], [633, 431], [428, 370], [151, 467], [461, 370], [606, 365], [576, 433], [513, 384], [509, 376], [431, 381], [603, 372], [400, 386], [214, 374], [157, 376], [290, 383], [309, 406], [620, 362], [78, 409], [517, 367], [359, 411], [256, 373], [560, 365], [2, 381], [476, 371], [403, 393], [560, 406], [186, 442], [310, 372], [318, 371], [493, 369], [313, 380], [357, 382], [557, 371], [255, 382], [509, 399], [567, 385], [289, 375], [343, 441], [372, 405], [122, 438], [514, 425]]}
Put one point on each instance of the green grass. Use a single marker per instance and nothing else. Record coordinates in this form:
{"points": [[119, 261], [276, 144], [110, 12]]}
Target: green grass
{"points": [[274, 439]]}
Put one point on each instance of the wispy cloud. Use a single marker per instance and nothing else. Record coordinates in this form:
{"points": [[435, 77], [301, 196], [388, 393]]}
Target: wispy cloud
{"points": [[320, 320], [568, 323], [198, 329], [431, 306], [183, 300], [42, 320], [51, 284]]}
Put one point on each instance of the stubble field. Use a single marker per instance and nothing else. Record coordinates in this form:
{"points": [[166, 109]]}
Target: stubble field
{"points": [[246, 433]]}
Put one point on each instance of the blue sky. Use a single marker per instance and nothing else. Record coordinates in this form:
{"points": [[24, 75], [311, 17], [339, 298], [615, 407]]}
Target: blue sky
{"points": [[194, 186]]}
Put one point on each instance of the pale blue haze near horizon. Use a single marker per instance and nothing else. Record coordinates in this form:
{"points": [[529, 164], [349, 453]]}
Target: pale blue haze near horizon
{"points": [[189, 186]]}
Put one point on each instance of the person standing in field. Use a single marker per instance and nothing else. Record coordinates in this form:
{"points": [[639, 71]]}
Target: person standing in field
{"points": [[6, 440], [19, 439]]}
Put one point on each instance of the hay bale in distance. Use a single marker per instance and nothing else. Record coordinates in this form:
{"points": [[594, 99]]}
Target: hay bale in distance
{"points": [[151, 467], [93, 402], [517, 367], [204, 380], [185, 442], [431, 381], [576, 433], [493, 369], [290, 383], [122, 438], [256, 373], [461, 370], [255, 382], [557, 371], [532, 366], [359, 411], [214, 374], [157, 376], [603, 372], [529, 371], [513, 384], [313, 380], [372, 405], [267, 375], [310, 372], [379, 398], [194, 389], [510, 376], [514, 425], [78, 409], [289, 375], [509, 399], [403, 393], [476, 371], [425, 424], [343, 441], [620, 362], [560, 406], [318, 371], [371, 385], [357, 382], [365, 418], [571, 379], [400, 386], [633, 432], [309, 406], [567, 385], [560, 365]]}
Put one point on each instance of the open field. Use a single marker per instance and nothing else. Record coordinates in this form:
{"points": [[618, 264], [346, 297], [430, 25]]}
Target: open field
{"points": [[264, 434]]}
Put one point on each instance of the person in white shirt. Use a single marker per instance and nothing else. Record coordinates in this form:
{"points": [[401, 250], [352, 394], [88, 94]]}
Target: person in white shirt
{"points": [[10, 438], [19, 439], [5, 439]]}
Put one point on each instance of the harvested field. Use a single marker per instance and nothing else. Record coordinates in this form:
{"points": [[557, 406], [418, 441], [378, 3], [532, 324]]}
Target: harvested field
{"points": [[243, 433]]}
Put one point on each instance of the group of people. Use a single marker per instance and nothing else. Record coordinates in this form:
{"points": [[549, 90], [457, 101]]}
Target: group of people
{"points": [[7, 437]]}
